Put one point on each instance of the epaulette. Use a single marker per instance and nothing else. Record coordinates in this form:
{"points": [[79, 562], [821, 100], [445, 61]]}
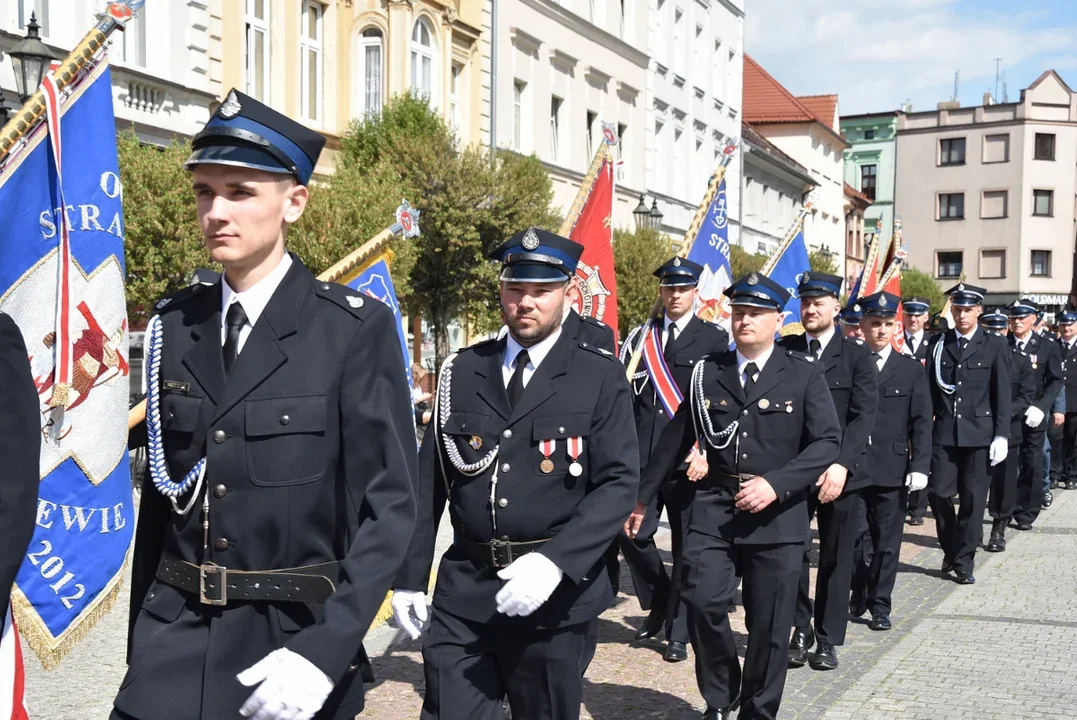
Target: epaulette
{"points": [[593, 321], [854, 341], [173, 300], [806, 357], [598, 351], [483, 343], [347, 298]]}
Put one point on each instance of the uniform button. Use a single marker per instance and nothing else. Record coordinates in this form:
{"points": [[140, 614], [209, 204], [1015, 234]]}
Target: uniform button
{"points": [[661, 412], [150, 594], [221, 544], [507, 434], [958, 367], [220, 491], [744, 456], [502, 503], [505, 467], [504, 537], [744, 434], [560, 431], [219, 436], [745, 413], [959, 414], [325, 287], [958, 382], [284, 419]]}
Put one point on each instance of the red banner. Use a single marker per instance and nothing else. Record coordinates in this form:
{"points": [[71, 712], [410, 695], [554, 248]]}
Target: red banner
{"points": [[893, 286], [594, 230]]}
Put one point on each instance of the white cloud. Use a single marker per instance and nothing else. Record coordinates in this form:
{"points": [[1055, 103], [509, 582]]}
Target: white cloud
{"points": [[877, 53]]}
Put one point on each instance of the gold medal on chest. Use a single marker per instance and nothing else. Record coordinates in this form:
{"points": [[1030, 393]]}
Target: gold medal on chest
{"points": [[546, 466]]}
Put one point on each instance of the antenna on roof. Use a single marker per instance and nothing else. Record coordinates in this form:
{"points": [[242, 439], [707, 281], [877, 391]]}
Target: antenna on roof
{"points": [[1005, 91], [998, 66], [957, 84]]}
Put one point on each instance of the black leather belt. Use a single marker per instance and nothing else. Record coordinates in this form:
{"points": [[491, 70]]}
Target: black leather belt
{"points": [[498, 553], [724, 481], [216, 585]]}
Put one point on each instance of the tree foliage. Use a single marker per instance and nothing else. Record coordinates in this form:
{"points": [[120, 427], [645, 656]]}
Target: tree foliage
{"points": [[822, 262], [636, 255], [742, 262], [920, 284]]}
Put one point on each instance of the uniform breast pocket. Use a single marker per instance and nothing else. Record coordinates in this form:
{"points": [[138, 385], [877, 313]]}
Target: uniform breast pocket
{"points": [[469, 431], [978, 370], [779, 417], [556, 432], [895, 399], [179, 420], [286, 439]]}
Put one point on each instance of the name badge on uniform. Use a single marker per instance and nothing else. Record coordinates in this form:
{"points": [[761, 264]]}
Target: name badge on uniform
{"points": [[546, 447], [177, 385], [575, 448]]}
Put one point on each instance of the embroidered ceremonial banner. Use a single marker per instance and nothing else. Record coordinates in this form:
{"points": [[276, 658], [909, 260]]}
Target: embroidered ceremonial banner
{"points": [[787, 272], [594, 230], [893, 286], [711, 250], [68, 300], [376, 282]]}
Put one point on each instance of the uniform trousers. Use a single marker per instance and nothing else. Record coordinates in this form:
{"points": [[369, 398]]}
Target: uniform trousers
{"points": [[655, 589], [837, 535], [1055, 437], [1030, 476], [876, 570], [959, 471], [471, 667], [1002, 502], [918, 504], [1068, 450], [769, 585]]}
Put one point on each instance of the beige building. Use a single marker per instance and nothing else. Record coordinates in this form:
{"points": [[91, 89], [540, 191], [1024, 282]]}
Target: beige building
{"points": [[988, 192], [328, 63]]}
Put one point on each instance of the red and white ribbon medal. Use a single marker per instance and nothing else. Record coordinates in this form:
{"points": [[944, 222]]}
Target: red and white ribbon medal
{"points": [[546, 447], [575, 447]]}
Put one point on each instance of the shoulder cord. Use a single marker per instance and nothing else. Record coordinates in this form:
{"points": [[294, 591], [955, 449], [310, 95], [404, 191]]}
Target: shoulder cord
{"points": [[937, 352], [158, 466], [626, 352], [700, 416]]}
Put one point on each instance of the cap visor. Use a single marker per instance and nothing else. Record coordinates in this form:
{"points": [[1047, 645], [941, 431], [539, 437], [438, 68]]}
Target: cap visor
{"points": [[530, 272], [236, 156]]}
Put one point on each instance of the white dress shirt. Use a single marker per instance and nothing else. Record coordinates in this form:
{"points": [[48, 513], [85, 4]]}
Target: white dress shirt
{"points": [[968, 337], [681, 324], [824, 339], [1022, 343], [760, 362], [913, 340], [253, 300], [884, 355], [535, 355]]}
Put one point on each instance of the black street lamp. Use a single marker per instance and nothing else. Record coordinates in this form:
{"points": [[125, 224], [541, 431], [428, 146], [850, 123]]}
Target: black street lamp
{"points": [[30, 59], [655, 216], [641, 214]]}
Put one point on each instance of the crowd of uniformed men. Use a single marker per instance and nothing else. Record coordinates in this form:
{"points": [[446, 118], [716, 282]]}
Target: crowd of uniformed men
{"points": [[286, 495]]}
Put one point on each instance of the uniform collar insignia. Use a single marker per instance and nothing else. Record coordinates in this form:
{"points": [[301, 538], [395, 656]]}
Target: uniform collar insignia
{"points": [[355, 301]]}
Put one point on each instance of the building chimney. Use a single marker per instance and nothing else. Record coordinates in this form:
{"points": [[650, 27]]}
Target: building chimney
{"points": [[988, 100], [906, 107], [949, 105]]}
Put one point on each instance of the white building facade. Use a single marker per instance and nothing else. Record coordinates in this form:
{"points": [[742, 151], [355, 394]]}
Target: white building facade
{"points": [[160, 64], [694, 85]]}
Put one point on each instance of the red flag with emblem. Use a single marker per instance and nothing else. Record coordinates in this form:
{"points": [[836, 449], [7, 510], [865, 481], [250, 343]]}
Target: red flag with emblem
{"points": [[893, 286], [594, 230]]}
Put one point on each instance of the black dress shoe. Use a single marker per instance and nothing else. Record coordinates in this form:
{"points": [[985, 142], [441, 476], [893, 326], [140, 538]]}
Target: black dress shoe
{"points": [[1024, 525], [714, 715], [947, 566], [857, 607], [1054, 484], [825, 658], [997, 542], [880, 621], [1048, 498], [916, 521], [651, 626], [675, 652], [964, 577], [799, 646]]}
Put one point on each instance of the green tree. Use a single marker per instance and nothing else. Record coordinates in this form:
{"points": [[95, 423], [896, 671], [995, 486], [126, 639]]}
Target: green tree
{"points": [[636, 254], [823, 262], [742, 262], [920, 284]]}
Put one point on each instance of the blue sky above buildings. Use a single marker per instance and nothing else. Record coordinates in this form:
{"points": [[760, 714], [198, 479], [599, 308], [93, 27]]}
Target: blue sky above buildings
{"points": [[877, 53]]}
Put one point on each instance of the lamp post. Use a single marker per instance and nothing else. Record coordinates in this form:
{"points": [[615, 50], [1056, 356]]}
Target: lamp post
{"points": [[30, 59], [641, 214], [655, 215]]}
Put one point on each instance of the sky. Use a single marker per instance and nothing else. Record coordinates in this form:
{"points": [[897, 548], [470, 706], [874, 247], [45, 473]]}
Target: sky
{"points": [[876, 54]]}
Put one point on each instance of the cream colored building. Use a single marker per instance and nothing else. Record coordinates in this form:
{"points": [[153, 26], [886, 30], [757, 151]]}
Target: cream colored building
{"points": [[988, 192], [328, 63]]}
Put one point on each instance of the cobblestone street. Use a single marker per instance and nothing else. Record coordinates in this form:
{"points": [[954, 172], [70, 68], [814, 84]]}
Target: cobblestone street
{"points": [[999, 649]]}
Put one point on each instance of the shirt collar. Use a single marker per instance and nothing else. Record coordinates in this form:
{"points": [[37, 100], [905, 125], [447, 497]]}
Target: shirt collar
{"points": [[917, 336], [1023, 343], [967, 337], [760, 361], [883, 354], [255, 298], [681, 324], [824, 337], [535, 354]]}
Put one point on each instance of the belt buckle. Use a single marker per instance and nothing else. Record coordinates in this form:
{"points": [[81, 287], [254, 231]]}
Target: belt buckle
{"points": [[495, 546], [222, 573]]}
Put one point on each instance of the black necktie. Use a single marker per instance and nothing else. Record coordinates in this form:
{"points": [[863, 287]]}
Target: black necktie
{"points": [[750, 371], [912, 344], [516, 382], [962, 343], [815, 347], [670, 336], [234, 322], [876, 357]]}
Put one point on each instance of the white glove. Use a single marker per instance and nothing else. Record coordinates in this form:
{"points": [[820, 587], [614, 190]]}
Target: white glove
{"points": [[291, 687], [531, 581], [405, 602], [998, 450], [915, 481], [1033, 416]]}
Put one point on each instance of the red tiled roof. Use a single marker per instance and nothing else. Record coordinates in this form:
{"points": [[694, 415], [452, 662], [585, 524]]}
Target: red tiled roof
{"points": [[767, 101], [853, 193], [824, 107]]}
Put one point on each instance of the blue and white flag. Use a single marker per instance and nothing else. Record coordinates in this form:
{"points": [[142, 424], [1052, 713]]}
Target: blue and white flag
{"points": [[61, 279], [787, 272], [376, 282], [711, 250]]}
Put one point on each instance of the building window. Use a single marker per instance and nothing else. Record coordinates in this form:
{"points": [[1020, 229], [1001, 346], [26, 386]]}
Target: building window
{"points": [[992, 264], [592, 118], [371, 52], [869, 134], [676, 187], [310, 50], [623, 22], [38, 8], [949, 264], [951, 206], [952, 151], [556, 104], [134, 39], [257, 20], [1043, 203], [995, 204], [423, 64], [996, 148], [454, 97], [1041, 263], [519, 88], [678, 42], [867, 180], [660, 167], [622, 152], [1045, 146]]}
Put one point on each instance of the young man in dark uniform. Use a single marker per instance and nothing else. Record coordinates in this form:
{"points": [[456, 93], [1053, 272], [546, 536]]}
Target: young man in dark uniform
{"points": [[1003, 498], [969, 375], [852, 379], [684, 339], [917, 338], [898, 457], [281, 453], [1064, 454], [766, 421], [1046, 361], [533, 448]]}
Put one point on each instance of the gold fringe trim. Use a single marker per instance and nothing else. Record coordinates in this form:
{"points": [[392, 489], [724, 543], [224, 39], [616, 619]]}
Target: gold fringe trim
{"points": [[61, 394]]}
